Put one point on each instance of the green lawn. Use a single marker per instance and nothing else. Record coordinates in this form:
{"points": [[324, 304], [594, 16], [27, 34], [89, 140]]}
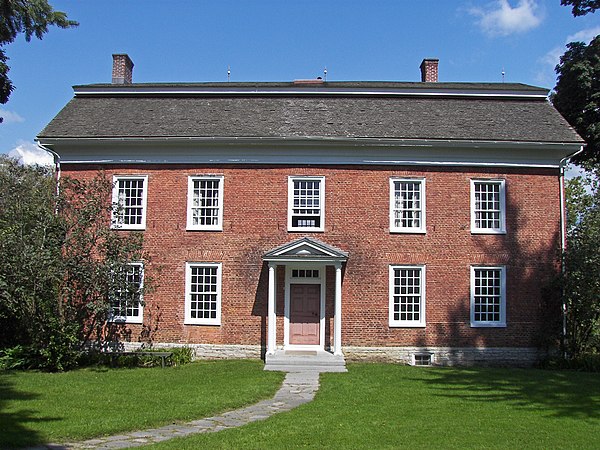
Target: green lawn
{"points": [[56, 407], [388, 406], [371, 406]]}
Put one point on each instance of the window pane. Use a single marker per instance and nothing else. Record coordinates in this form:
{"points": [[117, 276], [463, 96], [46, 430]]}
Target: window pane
{"points": [[487, 212], [407, 298], [487, 298], [130, 201], [203, 288], [205, 202], [407, 211], [126, 301], [306, 204]]}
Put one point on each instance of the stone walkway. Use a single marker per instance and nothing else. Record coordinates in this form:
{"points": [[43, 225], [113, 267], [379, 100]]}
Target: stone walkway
{"points": [[297, 388]]}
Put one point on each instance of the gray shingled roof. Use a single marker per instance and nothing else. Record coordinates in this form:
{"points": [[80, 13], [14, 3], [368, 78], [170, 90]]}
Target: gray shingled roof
{"points": [[318, 115]]}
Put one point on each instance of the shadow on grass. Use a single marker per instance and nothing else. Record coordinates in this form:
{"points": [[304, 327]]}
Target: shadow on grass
{"points": [[14, 432], [555, 394]]}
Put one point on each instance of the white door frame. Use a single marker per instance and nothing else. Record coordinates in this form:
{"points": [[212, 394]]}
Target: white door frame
{"points": [[308, 280]]}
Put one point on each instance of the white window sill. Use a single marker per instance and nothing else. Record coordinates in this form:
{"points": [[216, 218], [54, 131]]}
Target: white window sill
{"points": [[488, 324], [128, 320], [128, 228], [408, 231], [204, 229], [487, 231], [213, 323], [406, 325], [306, 230]]}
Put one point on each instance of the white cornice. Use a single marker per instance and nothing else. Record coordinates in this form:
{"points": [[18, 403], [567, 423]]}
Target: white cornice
{"points": [[312, 152], [306, 140]]}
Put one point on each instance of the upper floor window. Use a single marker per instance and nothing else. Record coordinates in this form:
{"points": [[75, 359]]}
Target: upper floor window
{"points": [[407, 296], [306, 204], [205, 203], [488, 296], [407, 205], [129, 202], [203, 293], [126, 303], [488, 206]]}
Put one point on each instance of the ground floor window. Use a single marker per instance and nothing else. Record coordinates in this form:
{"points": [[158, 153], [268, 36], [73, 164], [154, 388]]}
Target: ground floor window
{"points": [[203, 294], [488, 296], [126, 303], [407, 296]]}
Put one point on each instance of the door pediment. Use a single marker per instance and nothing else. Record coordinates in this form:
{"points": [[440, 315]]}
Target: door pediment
{"points": [[306, 249]]}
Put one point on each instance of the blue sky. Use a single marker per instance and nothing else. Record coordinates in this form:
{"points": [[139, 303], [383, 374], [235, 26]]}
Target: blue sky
{"points": [[281, 40]]}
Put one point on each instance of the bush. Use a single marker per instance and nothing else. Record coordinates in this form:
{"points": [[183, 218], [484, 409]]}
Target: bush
{"points": [[16, 358], [180, 356]]}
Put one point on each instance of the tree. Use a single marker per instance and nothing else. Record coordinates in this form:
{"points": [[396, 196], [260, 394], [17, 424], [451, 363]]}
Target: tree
{"points": [[59, 272], [577, 95], [32, 17], [582, 7], [582, 260], [31, 238]]}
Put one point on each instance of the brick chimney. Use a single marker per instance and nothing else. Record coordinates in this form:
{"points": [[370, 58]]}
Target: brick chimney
{"points": [[429, 70], [122, 70]]}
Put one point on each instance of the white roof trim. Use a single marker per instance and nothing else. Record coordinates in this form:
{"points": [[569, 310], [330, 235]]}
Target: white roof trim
{"points": [[428, 92]]}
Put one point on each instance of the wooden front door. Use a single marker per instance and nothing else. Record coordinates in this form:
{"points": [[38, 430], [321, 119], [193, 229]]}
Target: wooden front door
{"points": [[305, 309]]}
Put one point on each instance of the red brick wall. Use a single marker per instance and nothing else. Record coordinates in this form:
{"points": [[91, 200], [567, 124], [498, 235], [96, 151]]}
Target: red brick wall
{"points": [[356, 221]]}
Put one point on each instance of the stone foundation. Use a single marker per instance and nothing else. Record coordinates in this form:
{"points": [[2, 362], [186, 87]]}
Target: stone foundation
{"points": [[440, 356], [206, 351], [448, 356]]}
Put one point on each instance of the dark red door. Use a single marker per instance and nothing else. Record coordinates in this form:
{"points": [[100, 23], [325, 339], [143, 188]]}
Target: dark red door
{"points": [[305, 307]]}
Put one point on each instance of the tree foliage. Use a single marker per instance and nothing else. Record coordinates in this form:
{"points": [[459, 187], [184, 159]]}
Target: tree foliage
{"points": [[581, 7], [58, 270], [30, 17], [582, 260], [577, 95]]}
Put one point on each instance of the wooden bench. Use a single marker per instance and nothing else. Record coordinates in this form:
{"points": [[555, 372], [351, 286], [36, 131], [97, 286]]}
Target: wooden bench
{"points": [[163, 355]]}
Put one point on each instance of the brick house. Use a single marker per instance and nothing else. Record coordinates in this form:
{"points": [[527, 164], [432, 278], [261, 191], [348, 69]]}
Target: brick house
{"points": [[407, 221]]}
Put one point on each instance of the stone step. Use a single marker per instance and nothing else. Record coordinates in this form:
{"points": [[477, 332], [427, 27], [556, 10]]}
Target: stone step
{"points": [[290, 360]]}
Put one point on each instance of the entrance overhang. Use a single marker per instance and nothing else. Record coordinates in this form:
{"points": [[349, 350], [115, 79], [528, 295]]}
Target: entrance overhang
{"points": [[305, 251]]}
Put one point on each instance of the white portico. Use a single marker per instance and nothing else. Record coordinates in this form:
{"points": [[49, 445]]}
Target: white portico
{"points": [[305, 261]]}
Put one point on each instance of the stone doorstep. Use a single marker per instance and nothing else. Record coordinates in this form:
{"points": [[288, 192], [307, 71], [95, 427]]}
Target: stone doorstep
{"points": [[303, 368]]}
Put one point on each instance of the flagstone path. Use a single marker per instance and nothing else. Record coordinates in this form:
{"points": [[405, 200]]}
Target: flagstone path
{"points": [[297, 388]]}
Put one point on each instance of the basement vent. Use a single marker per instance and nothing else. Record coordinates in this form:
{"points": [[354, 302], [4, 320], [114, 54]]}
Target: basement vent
{"points": [[422, 359]]}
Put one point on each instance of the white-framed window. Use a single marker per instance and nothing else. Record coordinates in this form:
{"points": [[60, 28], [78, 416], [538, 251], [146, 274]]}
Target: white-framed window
{"points": [[306, 273], [203, 293], [306, 203], [129, 202], [407, 205], [127, 303], [488, 296], [488, 206], [422, 359], [205, 203], [407, 296]]}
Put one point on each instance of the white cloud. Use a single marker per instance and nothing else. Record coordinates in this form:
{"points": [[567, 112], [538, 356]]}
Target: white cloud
{"points": [[584, 35], [29, 154], [10, 116], [501, 19], [546, 74]]}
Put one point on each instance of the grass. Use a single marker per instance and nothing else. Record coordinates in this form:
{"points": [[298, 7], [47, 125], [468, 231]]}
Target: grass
{"points": [[389, 406], [40, 407]]}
